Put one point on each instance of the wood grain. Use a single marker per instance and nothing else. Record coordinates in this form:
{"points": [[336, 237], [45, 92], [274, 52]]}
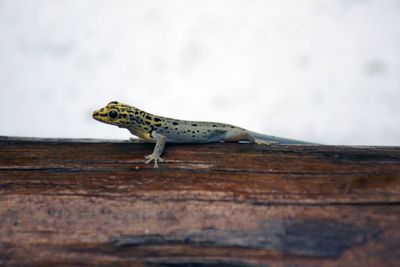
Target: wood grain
{"points": [[95, 203]]}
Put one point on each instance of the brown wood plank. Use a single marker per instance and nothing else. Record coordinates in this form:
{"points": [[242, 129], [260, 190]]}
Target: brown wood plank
{"points": [[94, 202]]}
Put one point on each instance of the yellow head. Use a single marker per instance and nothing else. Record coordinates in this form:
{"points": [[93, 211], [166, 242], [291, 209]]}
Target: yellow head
{"points": [[115, 113]]}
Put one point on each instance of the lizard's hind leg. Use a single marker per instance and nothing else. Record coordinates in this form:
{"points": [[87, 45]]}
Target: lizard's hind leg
{"points": [[238, 135]]}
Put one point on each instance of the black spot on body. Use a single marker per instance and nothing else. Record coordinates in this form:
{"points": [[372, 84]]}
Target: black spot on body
{"points": [[214, 125], [166, 127], [157, 119], [148, 117], [175, 123], [135, 120], [194, 125]]}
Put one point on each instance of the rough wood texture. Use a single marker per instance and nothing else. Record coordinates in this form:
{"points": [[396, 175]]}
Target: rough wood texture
{"points": [[92, 202]]}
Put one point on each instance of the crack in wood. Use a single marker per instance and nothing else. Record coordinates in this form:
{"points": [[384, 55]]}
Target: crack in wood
{"points": [[314, 238]]}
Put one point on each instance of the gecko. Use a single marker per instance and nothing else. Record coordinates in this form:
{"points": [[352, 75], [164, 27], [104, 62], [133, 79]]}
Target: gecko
{"points": [[162, 130]]}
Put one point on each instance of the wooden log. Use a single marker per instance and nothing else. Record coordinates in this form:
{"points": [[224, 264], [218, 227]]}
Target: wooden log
{"points": [[95, 203]]}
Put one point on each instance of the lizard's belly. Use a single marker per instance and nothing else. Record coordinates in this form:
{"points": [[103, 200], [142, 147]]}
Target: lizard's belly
{"points": [[195, 136]]}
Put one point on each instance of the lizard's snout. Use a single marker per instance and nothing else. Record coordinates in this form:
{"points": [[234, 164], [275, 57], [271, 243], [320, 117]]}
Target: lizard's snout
{"points": [[96, 115]]}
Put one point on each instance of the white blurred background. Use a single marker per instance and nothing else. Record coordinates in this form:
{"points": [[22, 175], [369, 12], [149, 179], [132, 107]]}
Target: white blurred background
{"points": [[322, 71]]}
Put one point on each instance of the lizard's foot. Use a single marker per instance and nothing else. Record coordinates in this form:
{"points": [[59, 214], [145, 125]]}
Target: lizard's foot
{"points": [[264, 142], [155, 158]]}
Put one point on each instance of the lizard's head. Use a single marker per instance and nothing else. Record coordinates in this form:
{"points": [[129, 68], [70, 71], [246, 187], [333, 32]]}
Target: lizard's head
{"points": [[114, 113]]}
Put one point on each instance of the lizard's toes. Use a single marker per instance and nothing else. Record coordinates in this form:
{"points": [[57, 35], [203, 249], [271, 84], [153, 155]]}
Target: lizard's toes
{"points": [[264, 142], [155, 158]]}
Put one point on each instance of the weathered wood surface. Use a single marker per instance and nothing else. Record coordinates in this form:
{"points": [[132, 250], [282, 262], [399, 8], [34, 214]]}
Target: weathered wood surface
{"points": [[95, 203]]}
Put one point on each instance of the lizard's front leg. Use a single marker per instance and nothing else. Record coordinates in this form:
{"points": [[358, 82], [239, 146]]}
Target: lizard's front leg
{"points": [[158, 149]]}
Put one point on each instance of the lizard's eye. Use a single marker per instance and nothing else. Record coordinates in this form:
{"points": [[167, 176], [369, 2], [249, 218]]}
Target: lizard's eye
{"points": [[113, 114]]}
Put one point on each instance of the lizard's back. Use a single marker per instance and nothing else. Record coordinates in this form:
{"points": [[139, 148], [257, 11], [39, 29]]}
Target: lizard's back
{"points": [[182, 131]]}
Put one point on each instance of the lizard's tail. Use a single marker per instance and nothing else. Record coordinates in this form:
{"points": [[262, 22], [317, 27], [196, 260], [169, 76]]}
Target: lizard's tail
{"points": [[262, 138]]}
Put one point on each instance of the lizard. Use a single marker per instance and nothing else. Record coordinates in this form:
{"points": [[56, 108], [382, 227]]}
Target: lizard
{"points": [[162, 130]]}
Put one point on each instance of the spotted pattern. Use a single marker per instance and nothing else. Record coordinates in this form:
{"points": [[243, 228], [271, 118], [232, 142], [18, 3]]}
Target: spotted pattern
{"points": [[143, 124]]}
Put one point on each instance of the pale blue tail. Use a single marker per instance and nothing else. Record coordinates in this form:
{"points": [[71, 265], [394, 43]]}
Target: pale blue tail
{"points": [[278, 140]]}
